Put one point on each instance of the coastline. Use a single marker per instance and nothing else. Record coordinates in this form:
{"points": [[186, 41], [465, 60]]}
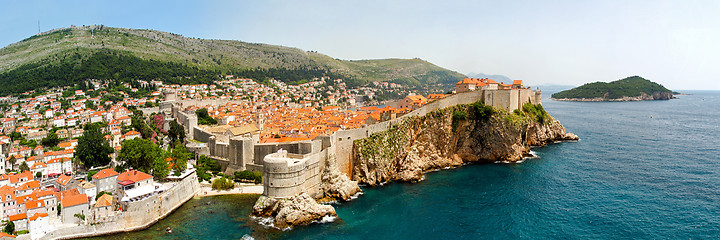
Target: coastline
{"points": [[250, 189]]}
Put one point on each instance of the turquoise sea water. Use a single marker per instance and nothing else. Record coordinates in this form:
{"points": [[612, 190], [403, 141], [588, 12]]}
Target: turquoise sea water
{"points": [[642, 170]]}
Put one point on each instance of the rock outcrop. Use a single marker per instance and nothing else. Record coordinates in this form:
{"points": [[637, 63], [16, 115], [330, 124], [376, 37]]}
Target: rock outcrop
{"points": [[298, 210], [335, 185], [302, 209], [447, 138]]}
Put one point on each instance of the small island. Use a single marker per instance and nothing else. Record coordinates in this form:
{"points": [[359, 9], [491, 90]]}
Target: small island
{"points": [[633, 88]]}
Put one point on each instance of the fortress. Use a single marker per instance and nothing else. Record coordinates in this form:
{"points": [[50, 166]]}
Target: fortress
{"points": [[290, 168]]}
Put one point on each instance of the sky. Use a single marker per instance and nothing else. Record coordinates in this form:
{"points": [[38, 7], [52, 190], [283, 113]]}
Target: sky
{"points": [[674, 43]]}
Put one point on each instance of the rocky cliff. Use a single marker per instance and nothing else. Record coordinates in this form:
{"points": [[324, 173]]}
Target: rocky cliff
{"points": [[450, 137], [335, 185]]}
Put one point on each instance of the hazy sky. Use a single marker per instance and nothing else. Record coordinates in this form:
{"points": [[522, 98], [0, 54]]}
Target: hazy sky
{"points": [[675, 43]]}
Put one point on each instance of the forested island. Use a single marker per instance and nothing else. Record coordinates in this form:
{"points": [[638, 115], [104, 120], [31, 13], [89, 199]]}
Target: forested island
{"points": [[633, 88]]}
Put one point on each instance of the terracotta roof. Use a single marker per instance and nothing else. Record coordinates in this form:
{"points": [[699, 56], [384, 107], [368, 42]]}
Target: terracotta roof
{"points": [[34, 204], [30, 185], [104, 174], [17, 217], [133, 175], [69, 201], [16, 178], [104, 200], [2, 234], [38, 215], [63, 179]]}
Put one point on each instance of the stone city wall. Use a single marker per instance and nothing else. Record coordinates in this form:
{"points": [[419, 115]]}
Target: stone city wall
{"points": [[139, 215]]}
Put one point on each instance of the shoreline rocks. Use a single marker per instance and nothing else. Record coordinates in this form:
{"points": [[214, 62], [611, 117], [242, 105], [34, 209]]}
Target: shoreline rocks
{"points": [[335, 185], [297, 210]]}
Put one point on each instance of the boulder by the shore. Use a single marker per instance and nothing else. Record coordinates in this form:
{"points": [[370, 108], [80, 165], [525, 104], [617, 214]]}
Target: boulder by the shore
{"points": [[297, 210]]}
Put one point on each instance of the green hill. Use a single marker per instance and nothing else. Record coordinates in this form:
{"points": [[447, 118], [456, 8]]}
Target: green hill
{"points": [[65, 56], [628, 87]]}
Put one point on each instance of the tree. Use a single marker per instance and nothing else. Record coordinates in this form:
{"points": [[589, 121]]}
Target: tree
{"points": [[90, 174], [160, 168], [59, 208], [204, 118], [93, 149], [12, 161], [139, 154], [9, 227], [50, 141], [177, 132], [179, 156], [38, 175], [16, 135], [24, 167]]}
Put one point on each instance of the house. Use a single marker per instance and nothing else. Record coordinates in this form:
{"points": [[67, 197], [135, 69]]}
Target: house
{"points": [[135, 185], [89, 189], [39, 225], [20, 178], [8, 124], [20, 221], [67, 153], [472, 84], [28, 187], [58, 166], [76, 133], [105, 181], [40, 167], [58, 121], [62, 133], [130, 135], [412, 101], [103, 208], [35, 206], [75, 204], [39, 151], [8, 203], [65, 182]]}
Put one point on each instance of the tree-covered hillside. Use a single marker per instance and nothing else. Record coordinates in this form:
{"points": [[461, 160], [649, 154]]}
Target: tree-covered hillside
{"points": [[65, 56], [627, 87]]}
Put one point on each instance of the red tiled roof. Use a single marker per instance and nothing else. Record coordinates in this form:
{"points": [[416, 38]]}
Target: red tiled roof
{"points": [[133, 175], [38, 215], [105, 173], [69, 201], [63, 179], [17, 217]]}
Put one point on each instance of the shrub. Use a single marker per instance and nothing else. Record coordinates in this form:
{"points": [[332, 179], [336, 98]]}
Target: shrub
{"points": [[481, 111], [457, 117], [247, 175], [222, 184], [536, 111], [9, 227]]}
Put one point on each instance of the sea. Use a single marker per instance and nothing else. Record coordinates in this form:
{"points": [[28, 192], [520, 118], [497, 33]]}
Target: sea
{"points": [[641, 170]]}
